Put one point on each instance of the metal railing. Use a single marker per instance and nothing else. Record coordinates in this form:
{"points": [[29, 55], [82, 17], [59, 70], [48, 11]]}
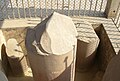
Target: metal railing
{"points": [[116, 19], [42, 8]]}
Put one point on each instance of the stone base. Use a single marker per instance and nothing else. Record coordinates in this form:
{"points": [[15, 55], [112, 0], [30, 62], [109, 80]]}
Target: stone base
{"points": [[87, 45]]}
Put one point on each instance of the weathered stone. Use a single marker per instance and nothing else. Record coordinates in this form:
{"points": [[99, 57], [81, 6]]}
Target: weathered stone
{"points": [[16, 57], [3, 57], [3, 77], [88, 43], [51, 47], [112, 72]]}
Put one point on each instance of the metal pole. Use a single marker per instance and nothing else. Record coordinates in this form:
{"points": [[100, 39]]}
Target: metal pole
{"points": [[90, 6], [74, 8], [18, 9], [62, 6], [95, 7], [57, 5], [6, 9], [34, 9], [79, 7], [29, 8], [101, 6], [68, 7], [85, 7], [46, 7], [12, 9]]}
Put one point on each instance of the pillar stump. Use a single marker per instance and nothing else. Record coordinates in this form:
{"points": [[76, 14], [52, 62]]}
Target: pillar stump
{"points": [[87, 45], [16, 57], [51, 48]]}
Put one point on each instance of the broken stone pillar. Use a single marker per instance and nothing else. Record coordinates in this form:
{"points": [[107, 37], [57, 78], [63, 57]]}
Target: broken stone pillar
{"points": [[16, 57], [3, 57], [112, 72], [87, 45], [3, 77], [51, 48]]}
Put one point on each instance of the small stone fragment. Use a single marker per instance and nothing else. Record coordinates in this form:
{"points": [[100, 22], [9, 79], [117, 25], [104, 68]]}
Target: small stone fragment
{"points": [[16, 57]]}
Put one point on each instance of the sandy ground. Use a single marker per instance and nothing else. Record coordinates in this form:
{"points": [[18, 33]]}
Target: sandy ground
{"points": [[92, 75], [28, 77]]}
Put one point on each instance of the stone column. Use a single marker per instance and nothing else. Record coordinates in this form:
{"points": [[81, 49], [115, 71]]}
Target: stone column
{"points": [[51, 48], [87, 45], [111, 8], [16, 57], [3, 77], [112, 72]]}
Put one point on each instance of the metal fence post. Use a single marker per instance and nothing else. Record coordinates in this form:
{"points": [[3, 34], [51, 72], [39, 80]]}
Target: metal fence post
{"points": [[111, 8]]}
